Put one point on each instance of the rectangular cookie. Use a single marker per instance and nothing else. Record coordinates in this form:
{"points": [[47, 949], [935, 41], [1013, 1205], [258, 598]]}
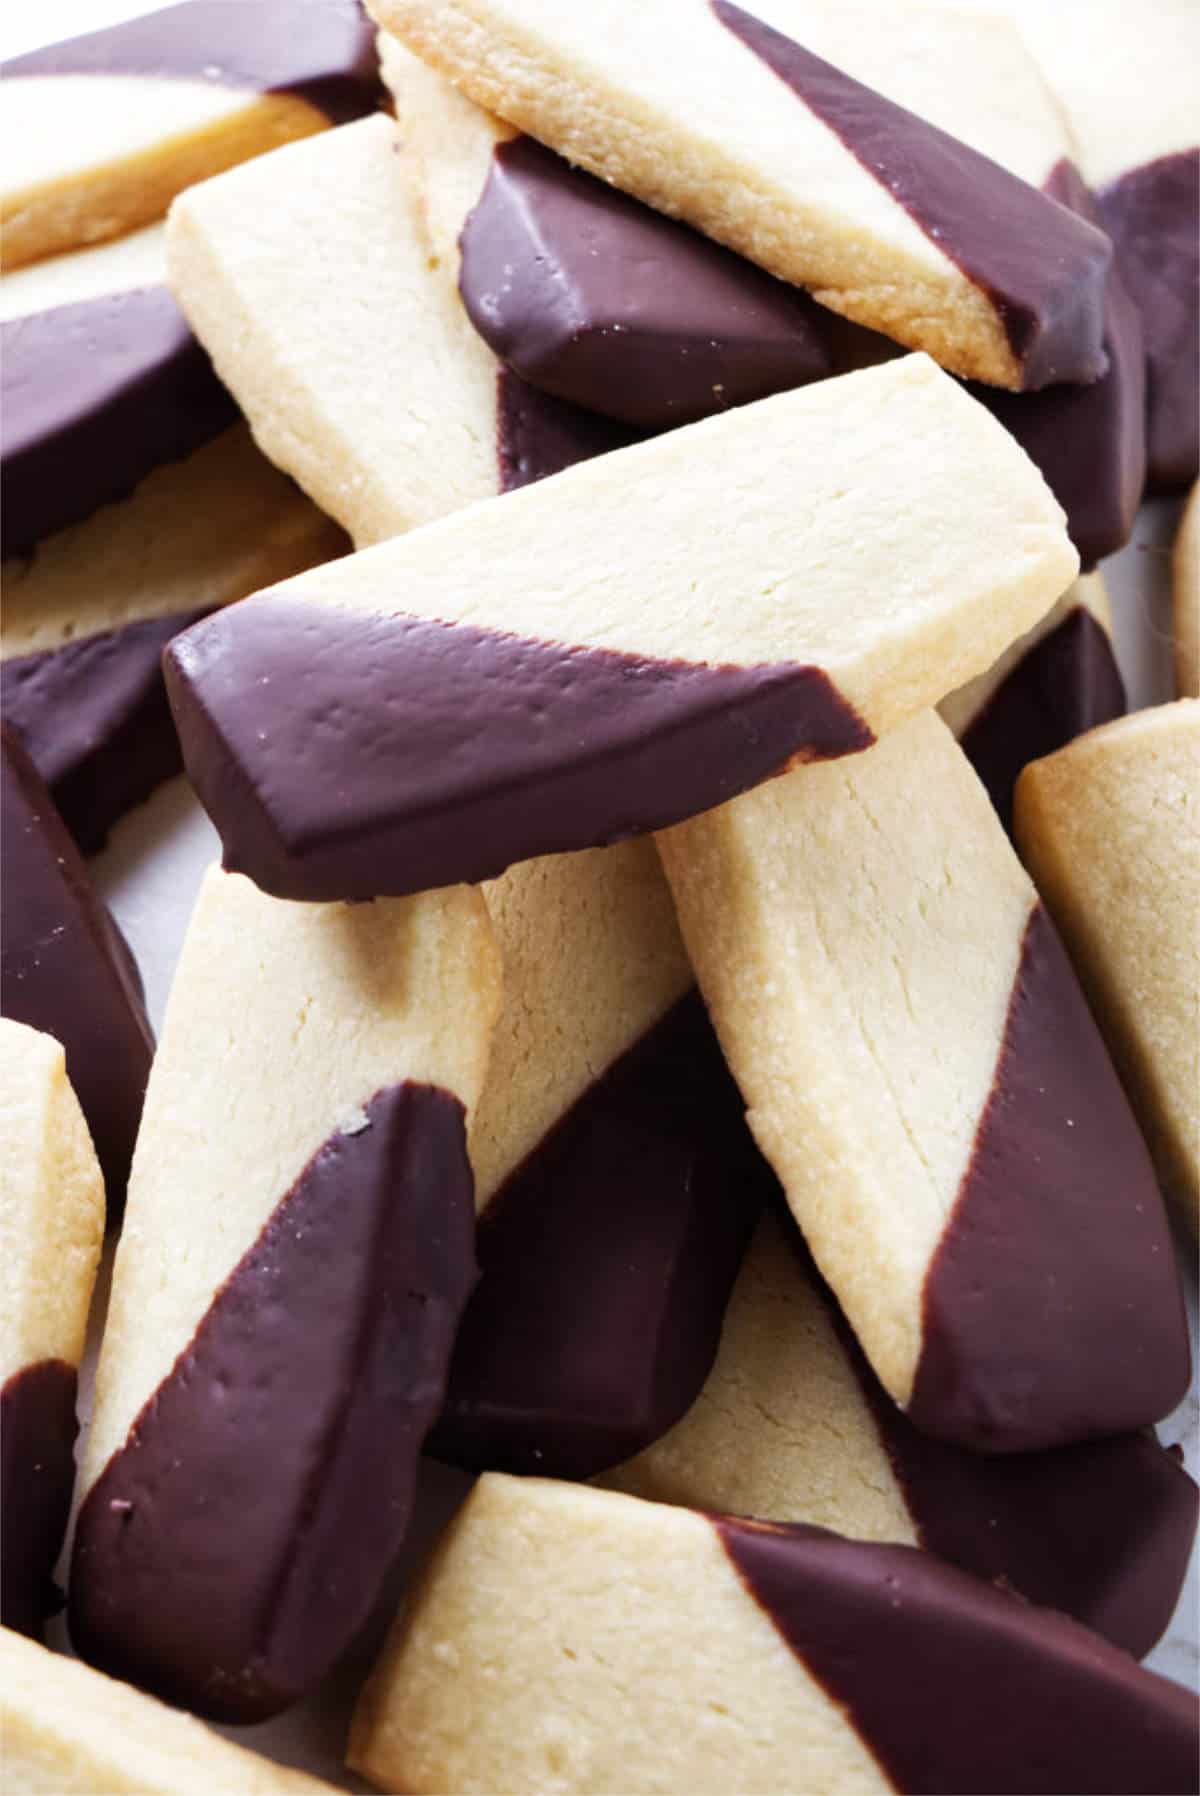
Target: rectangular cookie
{"points": [[792, 1425], [298, 1247], [614, 1177], [51, 1230], [922, 1072], [737, 123], [102, 131], [1110, 827], [576, 1640], [621, 646]]}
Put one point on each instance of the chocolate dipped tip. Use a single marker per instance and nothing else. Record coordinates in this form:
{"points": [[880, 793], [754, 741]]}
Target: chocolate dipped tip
{"points": [[1052, 1309], [324, 54], [598, 299], [957, 1688], [349, 754], [1042, 267], [233, 1545], [37, 1474], [607, 1259], [538, 435], [96, 395]]}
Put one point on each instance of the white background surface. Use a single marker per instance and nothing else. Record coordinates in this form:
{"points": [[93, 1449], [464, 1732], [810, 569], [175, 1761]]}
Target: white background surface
{"points": [[152, 867]]}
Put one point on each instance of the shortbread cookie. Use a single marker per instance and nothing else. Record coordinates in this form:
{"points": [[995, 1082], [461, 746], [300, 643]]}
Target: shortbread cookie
{"points": [[793, 1426], [1110, 827], [67, 969], [138, 260], [922, 1072], [51, 1227], [1056, 681], [357, 368], [102, 131], [1186, 583], [1130, 98], [621, 646], [295, 1258], [578, 1640], [713, 115], [69, 1730], [614, 1173]]}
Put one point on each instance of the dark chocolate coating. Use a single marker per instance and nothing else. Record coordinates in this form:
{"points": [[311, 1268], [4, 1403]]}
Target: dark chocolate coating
{"points": [[1152, 214], [600, 300], [95, 396], [1052, 1308], [959, 1689], [537, 435], [607, 1259], [323, 51], [231, 1548], [1041, 268], [95, 719], [349, 754], [37, 1474], [1068, 682], [1089, 442], [67, 969]]}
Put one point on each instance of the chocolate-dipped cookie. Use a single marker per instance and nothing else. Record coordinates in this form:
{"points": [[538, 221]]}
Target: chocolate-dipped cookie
{"points": [[357, 368], [715, 116], [922, 1072], [615, 1178], [1048, 686], [67, 969], [1185, 582], [519, 687], [1110, 827], [792, 1425], [51, 1228], [72, 1730], [576, 1639], [102, 131], [298, 1247]]}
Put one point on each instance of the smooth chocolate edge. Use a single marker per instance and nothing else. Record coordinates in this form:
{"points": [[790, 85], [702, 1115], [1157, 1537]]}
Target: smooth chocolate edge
{"points": [[232, 1546], [161, 402], [37, 1474], [606, 1263], [1066, 683], [357, 769], [254, 45], [956, 1688], [94, 717], [538, 435], [1041, 267], [87, 993], [605, 304], [1151, 213], [1052, 1309]]}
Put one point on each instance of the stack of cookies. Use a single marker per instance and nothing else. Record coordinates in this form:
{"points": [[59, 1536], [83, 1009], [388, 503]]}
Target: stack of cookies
{"points": [[700, 1005]]}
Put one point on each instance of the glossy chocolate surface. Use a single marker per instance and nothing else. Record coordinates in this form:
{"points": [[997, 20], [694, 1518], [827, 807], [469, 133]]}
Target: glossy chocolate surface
{"points": [[1052, 1309], [67, 969], [231, 1548], [37, 1475], [323, 52], [598, 299], [348, 754], [537, 435], [94, 717], [1151, 213], [95, 396], [959, 1689], [607, 1259], [1042, 270], [1066, 683], [1089, 442]]}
